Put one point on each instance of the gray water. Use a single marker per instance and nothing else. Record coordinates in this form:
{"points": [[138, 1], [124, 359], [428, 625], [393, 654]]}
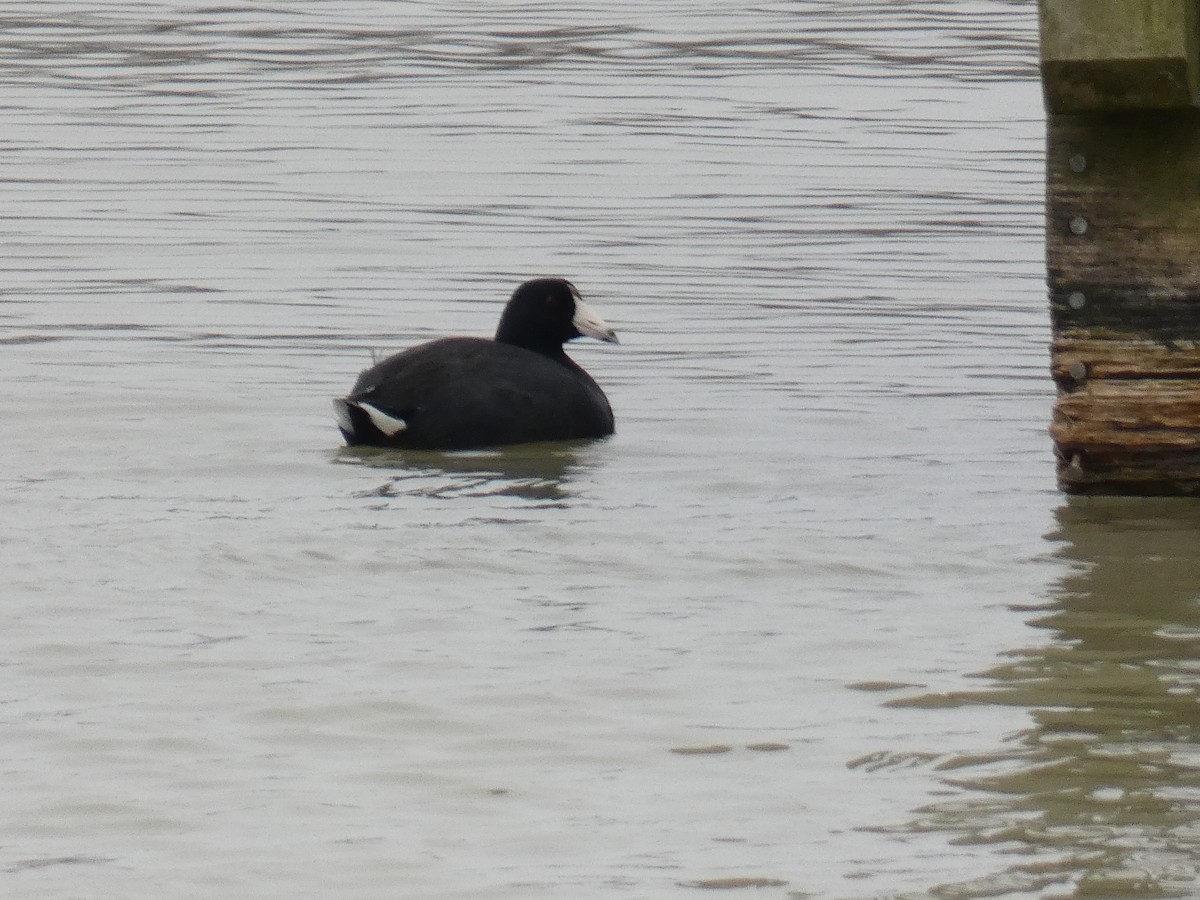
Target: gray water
{"points": [[815, 621]]}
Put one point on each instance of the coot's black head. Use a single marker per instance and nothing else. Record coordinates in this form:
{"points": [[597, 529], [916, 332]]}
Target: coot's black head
{"points": [[545, 313]]}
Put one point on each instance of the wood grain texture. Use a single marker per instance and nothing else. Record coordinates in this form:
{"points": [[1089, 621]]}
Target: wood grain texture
{"points": [[1142, 415], [1123, 271], [1122, 356]]}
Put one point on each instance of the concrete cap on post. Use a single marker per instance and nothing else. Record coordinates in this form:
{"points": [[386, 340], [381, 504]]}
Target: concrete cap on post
{"points": [[1110, 55]]}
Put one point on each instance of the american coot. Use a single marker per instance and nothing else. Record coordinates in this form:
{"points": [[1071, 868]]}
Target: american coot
{"points": [[461, 392]]}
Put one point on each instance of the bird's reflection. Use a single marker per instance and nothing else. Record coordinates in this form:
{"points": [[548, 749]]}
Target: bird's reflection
{"points": [[531, 472], [1101, 795]]}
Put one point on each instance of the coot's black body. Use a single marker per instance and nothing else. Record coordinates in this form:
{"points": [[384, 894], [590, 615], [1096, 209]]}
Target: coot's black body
{"points": [[459, 393]]}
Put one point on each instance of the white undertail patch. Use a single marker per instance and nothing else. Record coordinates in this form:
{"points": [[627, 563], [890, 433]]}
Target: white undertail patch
{"points": [[389, 425]]}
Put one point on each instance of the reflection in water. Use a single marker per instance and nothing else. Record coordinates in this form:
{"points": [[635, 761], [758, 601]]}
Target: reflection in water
{"points": [[532, 472], [1101, 796]]}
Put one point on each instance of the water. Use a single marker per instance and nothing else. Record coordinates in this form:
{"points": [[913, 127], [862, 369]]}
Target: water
{"points": [[813, 623]]}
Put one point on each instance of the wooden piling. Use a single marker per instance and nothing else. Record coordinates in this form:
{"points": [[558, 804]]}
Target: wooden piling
{"points": [[1118, 55], [1120, 80]]}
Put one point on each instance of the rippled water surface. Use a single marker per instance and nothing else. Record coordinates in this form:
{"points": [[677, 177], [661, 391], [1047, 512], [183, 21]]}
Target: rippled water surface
{"points": [[813, 623]]}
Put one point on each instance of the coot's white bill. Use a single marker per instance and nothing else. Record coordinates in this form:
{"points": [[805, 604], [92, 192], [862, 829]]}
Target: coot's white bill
{"points": [[589, 324]]}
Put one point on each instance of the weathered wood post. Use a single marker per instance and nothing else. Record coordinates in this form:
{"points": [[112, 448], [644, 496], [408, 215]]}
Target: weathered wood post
{"points": [[1120, 80]]}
